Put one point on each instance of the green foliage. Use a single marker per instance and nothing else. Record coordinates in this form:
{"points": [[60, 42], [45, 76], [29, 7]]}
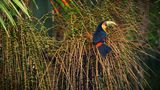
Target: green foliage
{"points": [[24, 64], [3, 25], [22, 6], [10, 10], [154, 24], [22, 61], [80, 59], [32, 60], [4, 9], [154, 37]]}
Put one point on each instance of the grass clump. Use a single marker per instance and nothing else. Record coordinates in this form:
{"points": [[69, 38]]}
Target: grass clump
{"points": [[23, 62], [32, 60], [78, 64]]}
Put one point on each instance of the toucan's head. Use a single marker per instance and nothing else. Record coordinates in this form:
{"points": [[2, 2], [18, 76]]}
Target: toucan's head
{"points": [[107, 24]]}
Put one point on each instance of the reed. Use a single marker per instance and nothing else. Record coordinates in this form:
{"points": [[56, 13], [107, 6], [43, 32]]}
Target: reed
{"points": [[23, 62], [33, 60], [78, 64]]}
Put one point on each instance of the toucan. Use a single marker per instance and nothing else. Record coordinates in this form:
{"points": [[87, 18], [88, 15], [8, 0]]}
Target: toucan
{"points": [[99, 37]]}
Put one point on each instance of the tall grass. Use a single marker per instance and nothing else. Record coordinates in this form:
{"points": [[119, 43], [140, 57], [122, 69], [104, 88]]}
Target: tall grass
{"points": [[22, 60], [32, 60], [78, 64]]}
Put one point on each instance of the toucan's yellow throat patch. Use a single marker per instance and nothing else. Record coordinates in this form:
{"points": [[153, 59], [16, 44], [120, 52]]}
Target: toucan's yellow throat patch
{"points": [[104, 27]]}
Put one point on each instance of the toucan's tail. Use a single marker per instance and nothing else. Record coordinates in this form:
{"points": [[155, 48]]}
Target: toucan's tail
{"points": [[104, 50]]}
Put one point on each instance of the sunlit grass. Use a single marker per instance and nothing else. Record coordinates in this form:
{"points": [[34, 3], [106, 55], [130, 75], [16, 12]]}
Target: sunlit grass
{"points": [[33, 60], [23, 62], [78, 64]]}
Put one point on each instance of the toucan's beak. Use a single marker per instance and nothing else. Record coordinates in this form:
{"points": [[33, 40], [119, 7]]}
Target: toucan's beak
{"points": [[110, 23]]}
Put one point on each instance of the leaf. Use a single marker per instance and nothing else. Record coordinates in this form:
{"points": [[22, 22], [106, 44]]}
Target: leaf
{"points": [[157, 1], [3, 25], [12, 5], [5, 10], [22, 7], [35, 4]]}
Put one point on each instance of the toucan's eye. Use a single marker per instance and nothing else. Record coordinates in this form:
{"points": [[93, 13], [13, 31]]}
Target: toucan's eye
{"points": [[109, 27], [105, 24]]}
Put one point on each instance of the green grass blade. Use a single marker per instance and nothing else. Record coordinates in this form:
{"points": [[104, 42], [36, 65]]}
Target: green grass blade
{"points": [[13, 6], [3, 25], [157, 1], [35, 4], [22, 7], [5, 10]]}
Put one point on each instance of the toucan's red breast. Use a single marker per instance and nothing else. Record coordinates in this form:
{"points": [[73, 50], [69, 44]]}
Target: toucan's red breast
{"points": [[99, 44]]}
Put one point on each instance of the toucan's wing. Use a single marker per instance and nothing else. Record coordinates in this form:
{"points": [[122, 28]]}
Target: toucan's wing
{"points": [[104, 50], [98, 36]]}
